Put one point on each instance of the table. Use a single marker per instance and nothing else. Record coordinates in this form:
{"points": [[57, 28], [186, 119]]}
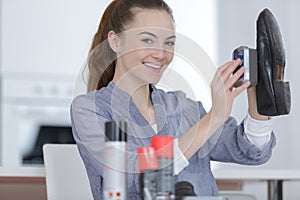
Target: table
{"points": [[22, 183], [22, 171], [274, 178]]}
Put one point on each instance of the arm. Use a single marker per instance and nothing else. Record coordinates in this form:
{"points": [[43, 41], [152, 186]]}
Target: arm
{"points": [[233, 146], [88, 132], [223, 95], [252, 105], [258, 127], [88, 125]]}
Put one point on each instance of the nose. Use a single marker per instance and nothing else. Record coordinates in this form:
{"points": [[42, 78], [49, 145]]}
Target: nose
{"points": [[159, 53]]}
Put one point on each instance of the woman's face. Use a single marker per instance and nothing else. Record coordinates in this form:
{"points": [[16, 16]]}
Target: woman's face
{"points": [[146, 46]]}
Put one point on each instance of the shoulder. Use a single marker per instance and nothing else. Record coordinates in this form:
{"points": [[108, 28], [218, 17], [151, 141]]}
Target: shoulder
{"points": [[86, 99], [170, 96], [178, 101], [82, 100], [95, 101]]}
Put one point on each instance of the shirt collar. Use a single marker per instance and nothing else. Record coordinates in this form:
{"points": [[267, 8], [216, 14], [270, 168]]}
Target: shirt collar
{"points": [[120, 97]]}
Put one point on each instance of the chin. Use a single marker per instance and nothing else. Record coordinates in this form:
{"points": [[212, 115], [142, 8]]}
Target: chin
{"points": [[154, 81]]}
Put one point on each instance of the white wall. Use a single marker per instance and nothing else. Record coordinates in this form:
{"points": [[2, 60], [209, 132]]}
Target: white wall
{"points": [[54, 36], [47, 36]]}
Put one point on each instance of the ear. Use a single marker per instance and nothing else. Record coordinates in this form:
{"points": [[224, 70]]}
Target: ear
{"points": [[114, 41]]}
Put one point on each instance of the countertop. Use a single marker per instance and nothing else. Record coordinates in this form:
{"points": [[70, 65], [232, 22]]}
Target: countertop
{"points": [[223, 174]]}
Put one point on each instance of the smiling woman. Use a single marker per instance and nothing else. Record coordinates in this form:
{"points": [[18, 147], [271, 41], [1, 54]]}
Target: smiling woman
{"points": [[133, 46], [117, 23]]}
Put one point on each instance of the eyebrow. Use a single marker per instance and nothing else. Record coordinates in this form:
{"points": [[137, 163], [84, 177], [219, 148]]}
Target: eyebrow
{"points": [[148, 33]]}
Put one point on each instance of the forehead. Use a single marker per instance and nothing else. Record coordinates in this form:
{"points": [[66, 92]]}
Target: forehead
{"points": [[151, 18]]}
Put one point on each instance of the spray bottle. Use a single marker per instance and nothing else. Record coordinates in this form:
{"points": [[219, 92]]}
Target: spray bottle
{"points": [[165, 183], [115, 161], [148, 166]]}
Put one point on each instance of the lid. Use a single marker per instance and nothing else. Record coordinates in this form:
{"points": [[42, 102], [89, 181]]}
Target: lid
{"points": [[115, 131], [163, 146], [147, 159]]}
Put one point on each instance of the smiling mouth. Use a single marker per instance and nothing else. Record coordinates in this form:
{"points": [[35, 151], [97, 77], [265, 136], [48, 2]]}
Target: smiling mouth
{"points": [[151, 65]]}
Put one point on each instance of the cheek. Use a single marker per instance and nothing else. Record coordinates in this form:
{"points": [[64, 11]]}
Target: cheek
{"points": [[169, 56], [128, 46], [133, 58]]}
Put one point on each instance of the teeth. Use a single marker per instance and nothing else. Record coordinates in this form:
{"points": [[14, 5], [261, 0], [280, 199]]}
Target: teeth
{"points": [[153, 65]]}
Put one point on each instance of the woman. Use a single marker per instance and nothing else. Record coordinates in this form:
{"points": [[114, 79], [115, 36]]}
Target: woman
{"points": [[131, 49]]}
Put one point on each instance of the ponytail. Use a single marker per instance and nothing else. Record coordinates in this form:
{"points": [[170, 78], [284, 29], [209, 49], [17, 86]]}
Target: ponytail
{"points": [[101, 61]]}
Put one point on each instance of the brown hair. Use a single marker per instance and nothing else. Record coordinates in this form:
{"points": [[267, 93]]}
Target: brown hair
{"points": [[117, 15]]}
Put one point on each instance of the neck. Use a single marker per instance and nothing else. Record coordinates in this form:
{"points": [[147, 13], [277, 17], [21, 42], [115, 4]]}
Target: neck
{"points": [[138, 90], [142, 99], [140, 95]]}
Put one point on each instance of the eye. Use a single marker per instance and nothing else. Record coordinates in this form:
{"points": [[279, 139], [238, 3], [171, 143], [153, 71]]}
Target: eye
{"points": [[148, 41], [170, 43]]}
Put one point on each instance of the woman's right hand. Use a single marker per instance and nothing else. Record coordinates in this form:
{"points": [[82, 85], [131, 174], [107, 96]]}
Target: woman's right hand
{"points": [[222, 91], [223, 94]]}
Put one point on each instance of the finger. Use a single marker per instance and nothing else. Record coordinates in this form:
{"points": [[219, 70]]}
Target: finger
{"points": [[235, 77], [225, 67], [224, 72], [227, 70], [217, 76], [230, 69], [241, 88]]}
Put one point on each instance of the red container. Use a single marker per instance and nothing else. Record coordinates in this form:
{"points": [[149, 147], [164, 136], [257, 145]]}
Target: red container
{"points": [[163, 146]]}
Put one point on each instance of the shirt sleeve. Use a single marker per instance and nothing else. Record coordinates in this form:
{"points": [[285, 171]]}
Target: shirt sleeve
{"points": [[180, 161], [258, 132]]}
